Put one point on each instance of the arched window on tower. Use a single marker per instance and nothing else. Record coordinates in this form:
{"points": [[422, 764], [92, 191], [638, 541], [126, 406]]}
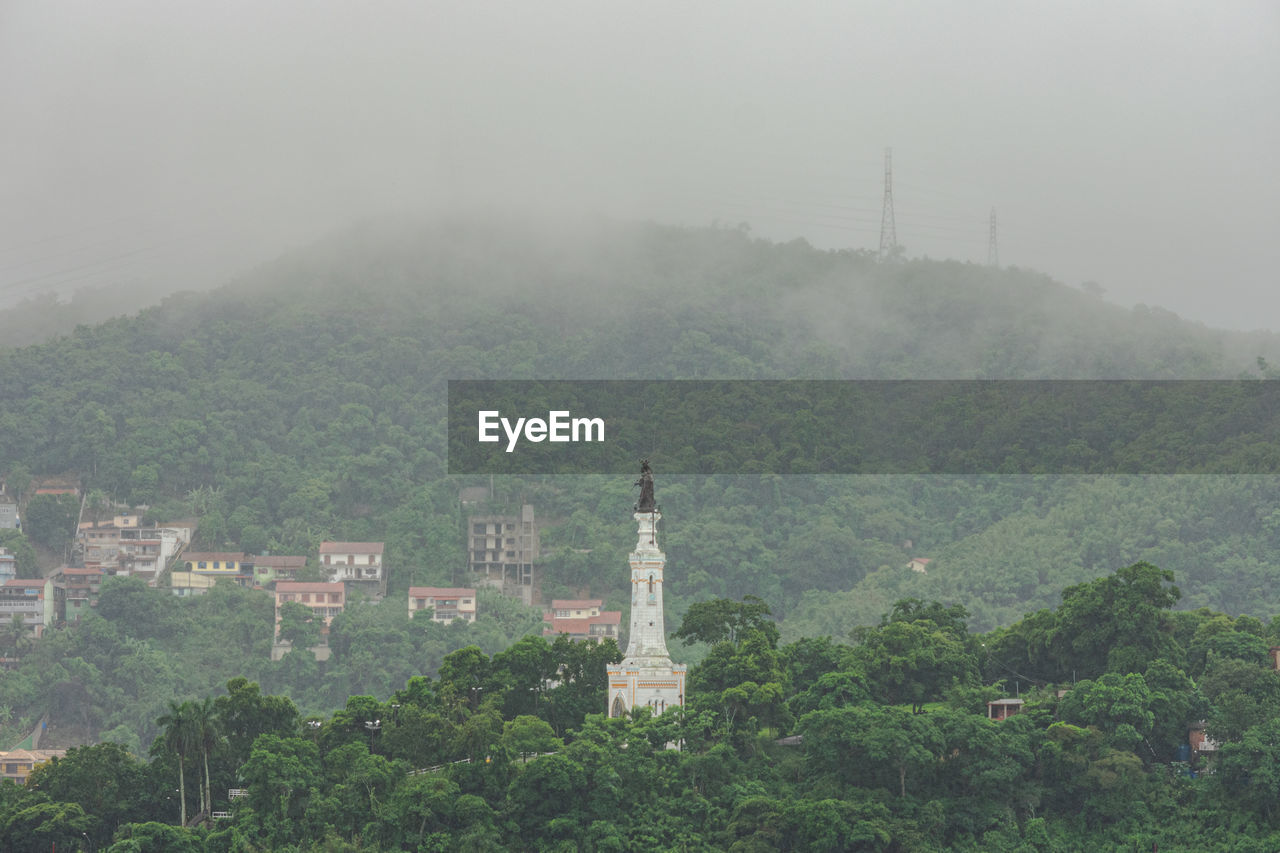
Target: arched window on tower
{"points": [[652, 597], [619, 708]]}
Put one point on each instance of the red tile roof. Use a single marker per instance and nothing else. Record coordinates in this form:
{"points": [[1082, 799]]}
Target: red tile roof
{"points": [[581, 625], [351, 547], [439, 592], [576, 604], [278, 561], [301, 586], [34, 755], [20, 583], [568, 626]]}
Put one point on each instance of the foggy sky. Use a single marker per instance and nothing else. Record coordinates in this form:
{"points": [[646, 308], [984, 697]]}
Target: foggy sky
{"points": [[1134, 144]]}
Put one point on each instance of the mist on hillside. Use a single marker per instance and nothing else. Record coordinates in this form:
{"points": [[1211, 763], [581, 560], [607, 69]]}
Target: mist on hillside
{"points": [[826, 313], [714, 294], [152, 148]]}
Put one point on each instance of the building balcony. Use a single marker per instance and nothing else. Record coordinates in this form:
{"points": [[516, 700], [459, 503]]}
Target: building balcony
{"points": [[33, 605]]}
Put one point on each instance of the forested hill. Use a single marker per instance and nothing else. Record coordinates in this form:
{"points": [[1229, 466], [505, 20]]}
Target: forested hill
{"points": [[307, 400], [620, 300], [855, 317]]}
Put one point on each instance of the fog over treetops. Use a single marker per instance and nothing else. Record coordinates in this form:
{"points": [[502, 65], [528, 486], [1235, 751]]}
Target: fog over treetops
{"points": [[820, 313]]}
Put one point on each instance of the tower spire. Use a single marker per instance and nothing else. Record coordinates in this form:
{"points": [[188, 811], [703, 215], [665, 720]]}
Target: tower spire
{"points": [[646, 676]]}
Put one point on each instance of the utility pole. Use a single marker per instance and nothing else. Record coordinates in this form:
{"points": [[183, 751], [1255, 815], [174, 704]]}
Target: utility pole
{"points": [[888, 231], [993, 248]]}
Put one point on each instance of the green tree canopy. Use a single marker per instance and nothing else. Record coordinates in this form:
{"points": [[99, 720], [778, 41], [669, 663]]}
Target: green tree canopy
{"points": [[724, 620]]}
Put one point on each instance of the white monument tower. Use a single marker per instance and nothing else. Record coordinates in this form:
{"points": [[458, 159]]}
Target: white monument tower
{"points": [[646, 676]]}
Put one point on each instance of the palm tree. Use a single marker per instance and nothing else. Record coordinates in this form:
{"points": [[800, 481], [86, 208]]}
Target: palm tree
{"points": [[206, 730], [180, 738]]}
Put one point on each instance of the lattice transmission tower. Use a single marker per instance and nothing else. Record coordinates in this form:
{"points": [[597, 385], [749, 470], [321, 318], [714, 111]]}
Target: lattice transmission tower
{"points": [[888, 230], [993, 246]]}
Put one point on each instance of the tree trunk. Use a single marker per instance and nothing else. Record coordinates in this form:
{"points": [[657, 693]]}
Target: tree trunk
{"points": [[902, 780], [182, 793], [208, 790]]}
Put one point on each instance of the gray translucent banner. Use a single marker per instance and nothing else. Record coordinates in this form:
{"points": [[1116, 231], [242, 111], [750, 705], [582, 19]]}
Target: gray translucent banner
{"points": [[864, 427]]}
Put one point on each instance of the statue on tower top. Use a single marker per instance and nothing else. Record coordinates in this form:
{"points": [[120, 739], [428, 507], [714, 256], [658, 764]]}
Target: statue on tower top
{"points": [[646, 502]]}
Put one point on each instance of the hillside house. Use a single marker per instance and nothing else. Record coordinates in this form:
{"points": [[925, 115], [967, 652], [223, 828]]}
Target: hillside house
{"points": [[8, 565], [358, 563], [501, 552], [187, 584], [1003, 709], [8, 513], [141, 552], [66, 485], [124, 547], [219, 565], [100, 544], [269, 568], [17, 764], [446, 603], [326, 600], [1199, 741], [214, 562], [581, 620], [75, 591], [919, 564], [32, 599]]}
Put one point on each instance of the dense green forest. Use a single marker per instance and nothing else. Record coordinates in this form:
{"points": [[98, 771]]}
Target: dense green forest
{"points": [[894, 751], [307, 401]]}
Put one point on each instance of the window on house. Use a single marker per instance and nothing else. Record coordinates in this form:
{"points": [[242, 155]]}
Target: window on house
{"points": [[306, 597], [200, 564]]}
